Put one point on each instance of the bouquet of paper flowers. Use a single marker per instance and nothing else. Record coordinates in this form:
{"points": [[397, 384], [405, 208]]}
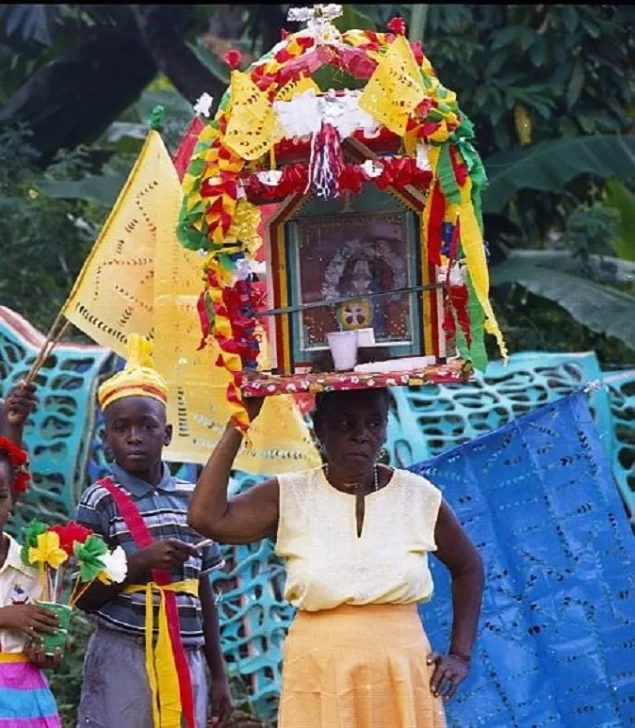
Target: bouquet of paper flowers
{"points": [[68, 558]]}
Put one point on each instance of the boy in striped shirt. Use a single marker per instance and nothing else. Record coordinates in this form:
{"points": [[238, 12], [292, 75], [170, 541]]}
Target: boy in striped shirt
{"points": [[145, 663]]}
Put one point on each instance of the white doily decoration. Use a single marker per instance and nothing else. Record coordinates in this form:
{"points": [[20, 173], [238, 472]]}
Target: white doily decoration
{"points": [[304, 114], [271, 177]]}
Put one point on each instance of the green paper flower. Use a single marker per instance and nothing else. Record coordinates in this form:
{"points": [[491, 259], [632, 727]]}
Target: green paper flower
{"points": [[88, 555], [30, 535]]}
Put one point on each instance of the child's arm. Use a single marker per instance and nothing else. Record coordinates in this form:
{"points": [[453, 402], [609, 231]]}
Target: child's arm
{"points": [[93, 513], [29, 619], [219, 694], [169, 555]]}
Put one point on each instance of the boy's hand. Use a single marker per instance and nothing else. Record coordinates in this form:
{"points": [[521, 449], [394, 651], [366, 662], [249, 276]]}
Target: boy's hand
{"points": [[19, 404], [167, 555], [28, 618], [221, 703]]}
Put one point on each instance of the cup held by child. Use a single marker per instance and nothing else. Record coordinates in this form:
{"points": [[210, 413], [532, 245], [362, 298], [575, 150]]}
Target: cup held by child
{"points": [[52, 641]]}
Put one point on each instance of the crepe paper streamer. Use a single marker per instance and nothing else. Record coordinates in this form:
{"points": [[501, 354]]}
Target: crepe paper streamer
{"points": [[47, 552], [89, 557], [478, 353], [161, 667], [155, 121], [473, 248]]}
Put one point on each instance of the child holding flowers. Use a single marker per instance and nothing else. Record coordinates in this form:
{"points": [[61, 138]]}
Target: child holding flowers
{"points": [[25, 698]]}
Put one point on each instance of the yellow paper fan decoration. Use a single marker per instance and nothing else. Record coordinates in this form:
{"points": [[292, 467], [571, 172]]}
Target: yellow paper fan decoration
{"points": [[395, 89], [253, 125]]}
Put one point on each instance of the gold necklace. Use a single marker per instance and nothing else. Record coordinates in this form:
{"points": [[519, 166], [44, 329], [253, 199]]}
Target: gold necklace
{"points": [[356, 485]]}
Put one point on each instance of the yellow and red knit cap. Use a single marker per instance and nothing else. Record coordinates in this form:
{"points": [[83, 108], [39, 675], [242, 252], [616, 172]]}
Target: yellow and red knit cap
{"points": [[138, 378]]}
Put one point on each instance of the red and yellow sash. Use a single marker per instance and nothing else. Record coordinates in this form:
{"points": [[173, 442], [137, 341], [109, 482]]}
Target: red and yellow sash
{"points": [[167, 666]]}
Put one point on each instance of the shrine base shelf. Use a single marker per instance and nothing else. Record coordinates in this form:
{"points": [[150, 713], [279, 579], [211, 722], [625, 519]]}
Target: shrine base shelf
{"points": [[456, 371]]}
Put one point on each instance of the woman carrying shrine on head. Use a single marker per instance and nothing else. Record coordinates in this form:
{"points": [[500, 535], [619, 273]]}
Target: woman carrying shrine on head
{"points": [[354, 536]]}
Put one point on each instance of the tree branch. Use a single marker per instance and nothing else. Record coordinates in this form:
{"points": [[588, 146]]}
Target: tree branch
{"points": [[173, 57]]}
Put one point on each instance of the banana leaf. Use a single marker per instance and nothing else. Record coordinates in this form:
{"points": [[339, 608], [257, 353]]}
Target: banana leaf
{"points": [[623, 200], [599, 308], [549, 166]]}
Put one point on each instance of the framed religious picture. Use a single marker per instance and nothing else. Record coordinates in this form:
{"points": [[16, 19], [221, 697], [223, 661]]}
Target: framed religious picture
{"points": [[354, 270]]}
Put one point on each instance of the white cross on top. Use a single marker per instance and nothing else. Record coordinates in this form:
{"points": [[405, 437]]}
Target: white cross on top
{"points": [[318, 19]]}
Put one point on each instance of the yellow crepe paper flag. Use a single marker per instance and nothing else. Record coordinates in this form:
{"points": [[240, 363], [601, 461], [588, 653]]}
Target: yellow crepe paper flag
{"points": [[252, 127], [48, 551], [164, 309], [112, 296], [197, 405], [395, 89]]}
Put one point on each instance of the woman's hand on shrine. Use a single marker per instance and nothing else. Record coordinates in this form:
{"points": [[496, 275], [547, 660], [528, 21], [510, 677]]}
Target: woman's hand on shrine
{"points": [[221, 703], [449, 672], [29, 619], [19, 404], [253, 405]]}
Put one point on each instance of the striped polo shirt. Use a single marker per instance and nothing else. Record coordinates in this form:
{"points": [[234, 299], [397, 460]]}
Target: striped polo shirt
{"points": [[164, 509]]}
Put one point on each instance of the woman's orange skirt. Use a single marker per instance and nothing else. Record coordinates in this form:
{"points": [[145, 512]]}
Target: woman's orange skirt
{"points": [[358, 667]]}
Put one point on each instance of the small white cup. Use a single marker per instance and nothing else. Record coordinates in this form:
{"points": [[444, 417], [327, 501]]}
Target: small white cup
{"points": [[343, 346]]}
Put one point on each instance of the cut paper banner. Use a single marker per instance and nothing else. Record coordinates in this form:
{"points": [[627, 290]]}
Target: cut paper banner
{"points": [[140, 279], [113, 294]]}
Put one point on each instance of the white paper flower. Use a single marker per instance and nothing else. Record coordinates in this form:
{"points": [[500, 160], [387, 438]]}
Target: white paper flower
{"points": [[203, 106], [270, 177], [115, 565], [422, 161]]}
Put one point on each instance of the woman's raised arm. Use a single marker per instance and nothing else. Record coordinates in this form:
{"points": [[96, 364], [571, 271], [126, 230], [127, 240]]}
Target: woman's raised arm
{"points": [[243, 518]]}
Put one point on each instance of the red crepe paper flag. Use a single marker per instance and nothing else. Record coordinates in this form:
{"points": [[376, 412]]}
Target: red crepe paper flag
{"points": [[435, 224], [417, 51], [186, 147]]}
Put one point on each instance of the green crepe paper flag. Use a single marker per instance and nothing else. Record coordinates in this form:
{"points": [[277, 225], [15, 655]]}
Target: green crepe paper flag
{"points": [[29, 538], [478, 354], [88, 555], [156, 118], [447, 178]]}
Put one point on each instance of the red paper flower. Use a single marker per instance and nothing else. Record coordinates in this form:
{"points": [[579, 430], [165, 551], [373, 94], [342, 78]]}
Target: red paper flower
{"points": [[70, 534], [233, 58], [19, 462], [397, 25], [284, 34]]}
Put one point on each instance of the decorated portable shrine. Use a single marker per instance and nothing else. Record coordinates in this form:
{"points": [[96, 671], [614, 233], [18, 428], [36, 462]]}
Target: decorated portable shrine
{"points": [[376, 270]]}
